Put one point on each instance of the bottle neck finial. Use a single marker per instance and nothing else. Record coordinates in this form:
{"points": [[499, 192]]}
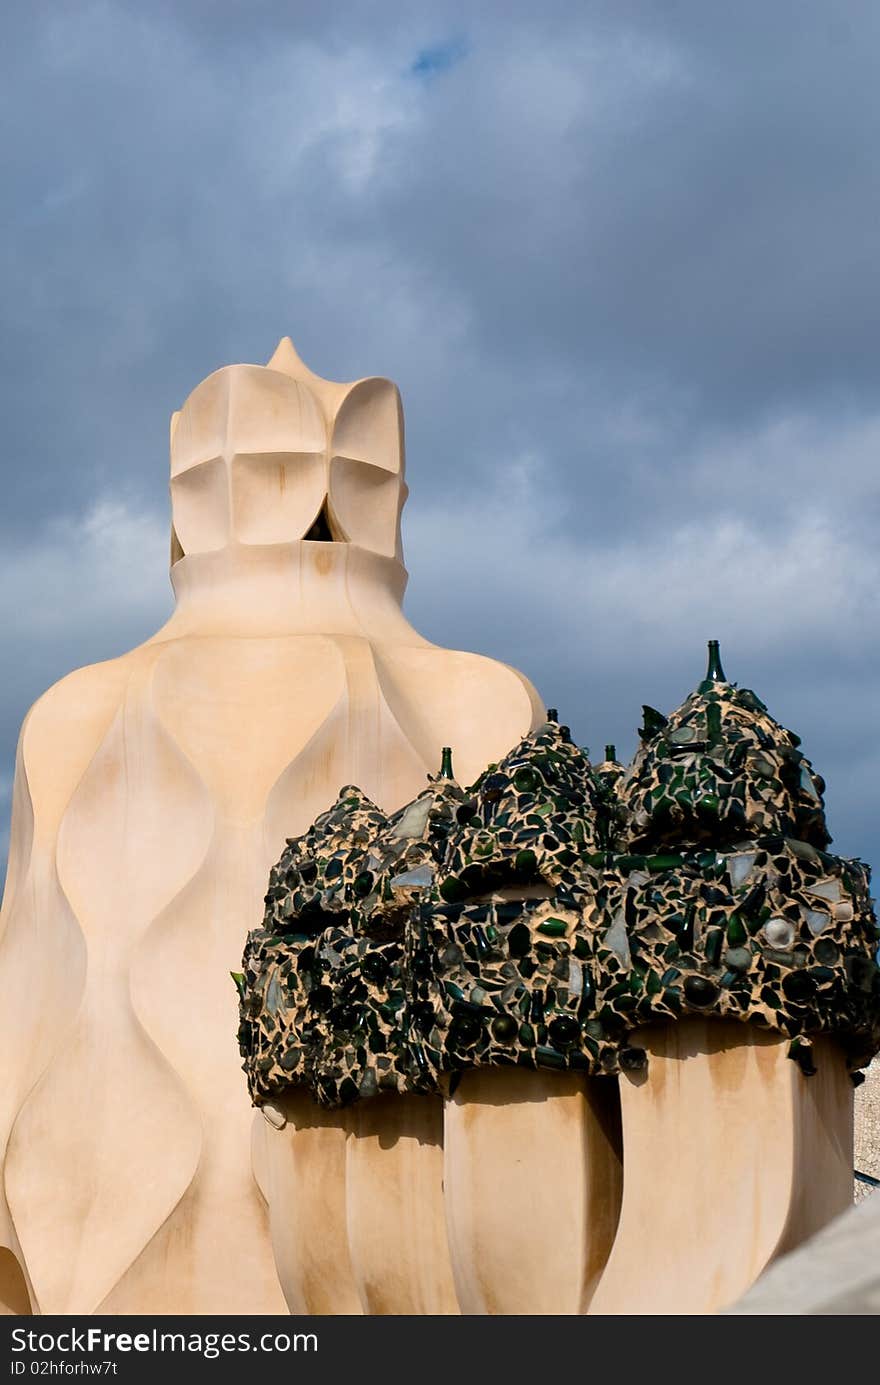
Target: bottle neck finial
{"points": [[714, 672], [552, 714], [446, 763], [611, 752]]}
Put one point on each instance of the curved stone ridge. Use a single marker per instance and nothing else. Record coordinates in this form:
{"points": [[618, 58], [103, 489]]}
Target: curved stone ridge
{"points": [[541, 916]]}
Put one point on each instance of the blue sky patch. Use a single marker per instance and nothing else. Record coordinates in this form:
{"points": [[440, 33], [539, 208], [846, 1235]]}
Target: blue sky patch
{"points": [[439, 57]]}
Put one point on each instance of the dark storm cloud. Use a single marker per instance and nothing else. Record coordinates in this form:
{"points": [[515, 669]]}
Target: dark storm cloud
{"points": [[621, 258]]}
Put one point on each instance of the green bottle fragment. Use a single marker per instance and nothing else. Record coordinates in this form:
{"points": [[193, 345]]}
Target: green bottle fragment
{"points": [[685, 932], [553, 928], [525, 780], [547, 1058], [238, 978], [713, 723], [801, 1052], [826, 951], [611, 753], [564, 1031], [700, 991], [714, 939], [753, 903], [452, 890], [504, 1029], [652, 722], [714, 672], [363, 884], [736, 933], [666, 860]]}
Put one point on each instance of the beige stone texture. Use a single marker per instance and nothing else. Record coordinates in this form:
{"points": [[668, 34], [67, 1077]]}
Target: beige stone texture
{"points": [[532, 1187], [152, 794], [396, 1222], [731, 1158]]}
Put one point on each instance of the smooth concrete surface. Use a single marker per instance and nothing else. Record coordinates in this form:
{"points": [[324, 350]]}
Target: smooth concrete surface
{"points": [[153, 793], [731, 1157], [532, 1183]]}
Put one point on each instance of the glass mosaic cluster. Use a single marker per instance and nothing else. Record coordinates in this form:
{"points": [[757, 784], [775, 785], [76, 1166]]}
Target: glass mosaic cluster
{"points": [[544, 914]]}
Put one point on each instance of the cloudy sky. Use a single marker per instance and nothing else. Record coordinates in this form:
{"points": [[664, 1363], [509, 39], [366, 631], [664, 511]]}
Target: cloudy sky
{"points": [[621, 258]]}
